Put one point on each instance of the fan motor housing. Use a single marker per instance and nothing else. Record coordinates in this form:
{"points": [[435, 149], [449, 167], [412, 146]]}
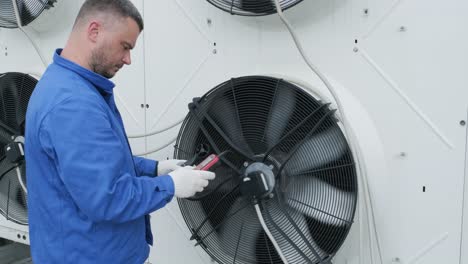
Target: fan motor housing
{"points": [[258, 181]]}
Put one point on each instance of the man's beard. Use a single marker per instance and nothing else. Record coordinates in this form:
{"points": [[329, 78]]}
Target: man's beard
{"points": [[99, 63]]}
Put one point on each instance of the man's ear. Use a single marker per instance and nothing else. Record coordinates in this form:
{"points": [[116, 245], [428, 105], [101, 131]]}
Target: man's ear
{"points": [[93, 31]]}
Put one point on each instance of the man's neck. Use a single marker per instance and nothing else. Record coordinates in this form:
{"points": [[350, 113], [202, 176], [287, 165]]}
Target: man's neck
{"points": [[75, 55]]}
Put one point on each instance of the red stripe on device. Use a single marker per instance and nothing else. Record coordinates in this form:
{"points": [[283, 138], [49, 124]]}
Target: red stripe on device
{"points": [[207, 163]]}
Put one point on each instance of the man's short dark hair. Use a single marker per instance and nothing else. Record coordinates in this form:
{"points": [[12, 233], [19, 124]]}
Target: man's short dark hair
{"points": [[123, 8]]}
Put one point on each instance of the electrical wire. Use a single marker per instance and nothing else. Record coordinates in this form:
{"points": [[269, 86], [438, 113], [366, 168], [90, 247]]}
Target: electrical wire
{"points": [[178, 122], [18, 173], [270, 236], [33, 43], [354, 146], [157, 149]]}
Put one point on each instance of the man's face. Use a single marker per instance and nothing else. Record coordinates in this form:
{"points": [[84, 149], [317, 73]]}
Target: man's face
{"points": [[113, 49]]}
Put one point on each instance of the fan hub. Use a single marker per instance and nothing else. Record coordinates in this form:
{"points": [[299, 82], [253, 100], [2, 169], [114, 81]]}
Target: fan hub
{"points": [[258, 180]]}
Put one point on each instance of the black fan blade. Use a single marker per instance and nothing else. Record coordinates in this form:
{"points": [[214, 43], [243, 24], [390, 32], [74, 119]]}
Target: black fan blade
{"points": [[226, 116], [306, 194], [6, 166], [12, 197], [16, 89], [320, 149], [282, 109], [297, 245], [239, 234], [257, 6]]}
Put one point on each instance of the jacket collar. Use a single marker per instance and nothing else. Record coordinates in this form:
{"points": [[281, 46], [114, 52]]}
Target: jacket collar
{"points": [[99, 81]]}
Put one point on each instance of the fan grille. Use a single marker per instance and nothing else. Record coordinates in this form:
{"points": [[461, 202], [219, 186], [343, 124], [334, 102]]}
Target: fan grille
{"points": [[27, 9], [252, 7], [15, 91], [263, 119]]}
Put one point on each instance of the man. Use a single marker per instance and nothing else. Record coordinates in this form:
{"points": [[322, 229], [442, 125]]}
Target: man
{"points": [[88, 197]]}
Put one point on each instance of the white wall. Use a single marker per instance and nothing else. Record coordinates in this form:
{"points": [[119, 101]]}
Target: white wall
{"points": [[404, 82]]}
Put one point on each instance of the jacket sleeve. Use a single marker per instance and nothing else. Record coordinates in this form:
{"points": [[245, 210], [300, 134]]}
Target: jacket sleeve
{"points": [[145, 167], [91, 161]]}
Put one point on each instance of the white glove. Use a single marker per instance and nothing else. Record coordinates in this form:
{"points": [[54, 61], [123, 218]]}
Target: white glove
{"points": [[166, 166], [188, 181]]}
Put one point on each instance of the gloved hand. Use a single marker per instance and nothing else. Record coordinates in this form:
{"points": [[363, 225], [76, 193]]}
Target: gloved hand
{"points": [[166, 166], [188, 181]]}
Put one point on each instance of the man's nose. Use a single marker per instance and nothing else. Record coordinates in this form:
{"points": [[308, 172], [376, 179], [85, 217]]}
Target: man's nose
{"points": [[127, 60]]}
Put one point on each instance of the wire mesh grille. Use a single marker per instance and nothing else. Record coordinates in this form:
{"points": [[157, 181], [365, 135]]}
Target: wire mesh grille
{"points": [[268, 120], [252, 7], [15, 91], [27, 9]]}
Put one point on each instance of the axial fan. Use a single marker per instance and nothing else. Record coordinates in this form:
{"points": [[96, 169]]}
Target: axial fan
{"points": [[15, 91], [28, 10], [280, 149], [252, 7]]}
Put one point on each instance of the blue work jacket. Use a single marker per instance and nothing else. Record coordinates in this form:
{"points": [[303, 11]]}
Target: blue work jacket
{"points": [[88, 196]]}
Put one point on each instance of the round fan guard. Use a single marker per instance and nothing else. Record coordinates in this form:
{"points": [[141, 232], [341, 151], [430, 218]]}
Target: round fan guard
{"points": [[27, 9], [263, 120], [252, 7], [15, 91]]}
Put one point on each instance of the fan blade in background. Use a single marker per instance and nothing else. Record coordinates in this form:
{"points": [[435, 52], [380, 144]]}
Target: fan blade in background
{"points": [[282, 109], [318, 150], [307, 195], [10, 103], [14, 198], [238, 235], [5, 136], [281, 221], [6, 166], [256, 6], [226, 116]]}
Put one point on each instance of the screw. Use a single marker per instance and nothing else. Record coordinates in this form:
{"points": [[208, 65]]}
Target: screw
{"points": [[215, 51], [355, 49], [142, 106], [271, 166], [246, 164], [208, 21], [463, 122], [147, 105], [366, 11], [271, 195]]}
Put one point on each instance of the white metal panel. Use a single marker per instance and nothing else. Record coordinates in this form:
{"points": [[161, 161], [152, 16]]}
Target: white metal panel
{"points": [[397, 77]]}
